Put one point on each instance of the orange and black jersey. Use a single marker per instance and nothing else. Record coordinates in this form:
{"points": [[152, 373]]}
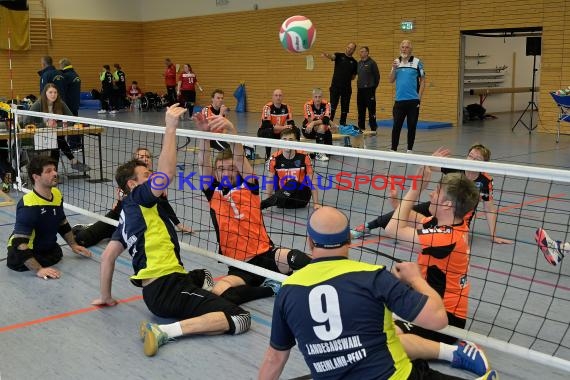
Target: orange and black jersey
{"points": [[211, 111], [444, 262], [297, 167], [484, 183], [236, 215], [273, 115], [317, 112]]}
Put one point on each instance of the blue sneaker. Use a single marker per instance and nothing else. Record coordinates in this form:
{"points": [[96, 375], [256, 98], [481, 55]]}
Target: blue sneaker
{"points": [[274, 285], [152, 336], [470, 357], [491, 375]]}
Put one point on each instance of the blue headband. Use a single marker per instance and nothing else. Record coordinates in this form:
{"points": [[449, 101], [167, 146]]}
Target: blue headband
{"points": [[329, 241]]}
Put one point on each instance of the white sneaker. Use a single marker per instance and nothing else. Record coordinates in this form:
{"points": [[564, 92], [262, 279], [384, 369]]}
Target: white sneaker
{"points": [[321, 157], [113, 112], [101, 111], [409, 151], [551, 249]]}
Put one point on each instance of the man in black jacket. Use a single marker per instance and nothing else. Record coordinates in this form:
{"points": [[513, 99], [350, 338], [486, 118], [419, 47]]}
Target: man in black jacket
{"points": [[49, 74], [72, 97]]}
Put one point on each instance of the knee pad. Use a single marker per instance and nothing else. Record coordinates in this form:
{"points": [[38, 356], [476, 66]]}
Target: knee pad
{"points": [[297, 259], [240, 321]]}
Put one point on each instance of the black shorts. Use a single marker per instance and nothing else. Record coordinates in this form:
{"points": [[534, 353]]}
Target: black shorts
{"points": [[410, 328], [178, 296], [46, 258], [265, 260]]}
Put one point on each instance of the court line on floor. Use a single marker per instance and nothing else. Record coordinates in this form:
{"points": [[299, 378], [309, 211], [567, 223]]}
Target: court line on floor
{"points": [[63, 315], [537, 200], [90, 309]]}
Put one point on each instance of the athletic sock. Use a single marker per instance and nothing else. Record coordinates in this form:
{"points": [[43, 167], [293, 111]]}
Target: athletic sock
{"points": [[446, 352], [173, 330]]}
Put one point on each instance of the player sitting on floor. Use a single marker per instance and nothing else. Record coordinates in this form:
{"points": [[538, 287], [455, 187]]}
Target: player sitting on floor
{"points": [[553, 250], [91, 234], [218, 108], [290, 170], [235, 208], [339, 312], [275, 118], [483, 181], [39, 218], [169, 291], [317, 122], [444, 262]]}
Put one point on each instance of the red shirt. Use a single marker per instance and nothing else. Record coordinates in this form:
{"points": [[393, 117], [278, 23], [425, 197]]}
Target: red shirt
{"points": [[187, 81], [170, 75], [133, 92]]}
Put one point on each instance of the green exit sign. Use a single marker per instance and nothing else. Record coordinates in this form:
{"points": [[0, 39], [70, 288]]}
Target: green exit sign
{"points": [[407, 26]]}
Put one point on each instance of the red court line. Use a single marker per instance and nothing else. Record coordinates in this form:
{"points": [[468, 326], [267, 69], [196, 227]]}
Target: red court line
{"points": [[69, 314], [537, 200], [520, 277], [62, 315]]}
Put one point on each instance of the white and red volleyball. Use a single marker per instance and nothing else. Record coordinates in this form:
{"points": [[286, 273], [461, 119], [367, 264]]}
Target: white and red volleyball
{"points": [[297, 34]]}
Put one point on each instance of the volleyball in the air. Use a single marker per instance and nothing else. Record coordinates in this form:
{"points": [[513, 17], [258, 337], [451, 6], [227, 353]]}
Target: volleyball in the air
{"points": [[297, 34]]}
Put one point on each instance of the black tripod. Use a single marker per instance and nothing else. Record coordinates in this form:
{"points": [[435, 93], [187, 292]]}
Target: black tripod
{"points": [[531, 105]]}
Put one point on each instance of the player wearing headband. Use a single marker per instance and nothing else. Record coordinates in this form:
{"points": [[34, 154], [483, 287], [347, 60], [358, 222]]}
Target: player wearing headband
{"points": [[339, 312]]}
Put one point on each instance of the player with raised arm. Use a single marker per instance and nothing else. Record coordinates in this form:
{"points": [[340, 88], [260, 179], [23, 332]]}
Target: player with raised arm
{"points": [[444, 257], [482, 180], [235, 209], [339, 312], [169, 291]]}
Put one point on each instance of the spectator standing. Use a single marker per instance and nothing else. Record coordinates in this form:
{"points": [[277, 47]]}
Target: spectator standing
{"points": [[170, 81], [120, 87], [107, 96], [72, 97], [49, 74], [187, 83], [408, 73], [367, 83], [345, 69]]}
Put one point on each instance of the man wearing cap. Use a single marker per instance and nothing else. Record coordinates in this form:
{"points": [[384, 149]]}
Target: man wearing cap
{"points": [[340, 311]]}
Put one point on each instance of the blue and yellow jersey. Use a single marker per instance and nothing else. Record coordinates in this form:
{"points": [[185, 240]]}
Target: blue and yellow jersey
{"points": [[340, 313], [38, 219], [145, 230]]}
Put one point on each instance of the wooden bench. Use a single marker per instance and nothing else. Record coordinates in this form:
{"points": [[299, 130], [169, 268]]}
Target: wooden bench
{"points": [[355, 141]]}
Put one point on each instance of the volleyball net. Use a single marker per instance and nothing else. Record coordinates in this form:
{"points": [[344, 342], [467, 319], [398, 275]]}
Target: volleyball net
{"points": [[519, 302]]}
